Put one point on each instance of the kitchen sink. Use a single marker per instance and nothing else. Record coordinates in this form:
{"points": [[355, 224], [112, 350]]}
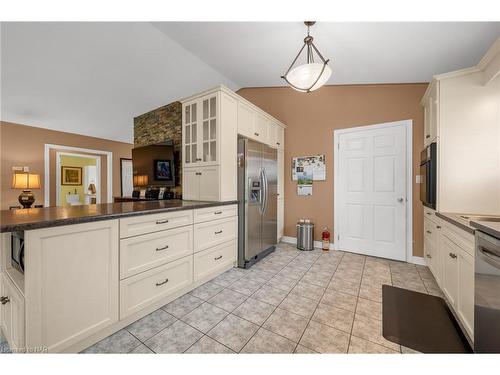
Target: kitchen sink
{"points": [[481, 218]]}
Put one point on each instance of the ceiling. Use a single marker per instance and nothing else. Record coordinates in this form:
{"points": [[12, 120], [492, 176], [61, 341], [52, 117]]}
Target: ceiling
{"points": [[257, 54], [93, 78]]}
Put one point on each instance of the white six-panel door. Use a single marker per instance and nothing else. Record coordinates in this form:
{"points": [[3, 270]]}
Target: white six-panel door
{"points": [[370, 205]]}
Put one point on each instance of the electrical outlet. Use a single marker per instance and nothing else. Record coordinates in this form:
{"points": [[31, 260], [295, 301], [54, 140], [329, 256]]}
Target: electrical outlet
{"points": [[26, 169]]}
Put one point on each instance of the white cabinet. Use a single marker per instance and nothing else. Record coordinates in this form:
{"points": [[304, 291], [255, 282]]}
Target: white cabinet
{"points": [[261, 132], [432, 253], [450, 277], [252, 124], [281, 174], [465, 303], [12, 314], [281, 218], [431, 113], [209, 138], [71, 283], [200, 130]]}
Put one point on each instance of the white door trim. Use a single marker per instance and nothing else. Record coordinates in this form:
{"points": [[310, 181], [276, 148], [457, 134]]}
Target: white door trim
{"points": [[408, 126], [58, 173], [109, 164]]}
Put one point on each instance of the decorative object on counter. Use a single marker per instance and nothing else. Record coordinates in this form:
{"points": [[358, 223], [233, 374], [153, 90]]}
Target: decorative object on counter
{"points": [[305, 235], [91, 189], [325, 239], [26, 182], [71, 175], [141, 180], [311, 75], [163, 170]]}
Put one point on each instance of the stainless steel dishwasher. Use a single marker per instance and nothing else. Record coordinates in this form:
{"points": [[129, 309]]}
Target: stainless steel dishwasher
{"points": [[487, 294]]}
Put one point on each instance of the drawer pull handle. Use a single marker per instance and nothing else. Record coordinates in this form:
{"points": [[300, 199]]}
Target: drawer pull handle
{"points": [[278, 143], [4, 300], [428, 231], [219, 257], [257, 134], [217, 212], [162, 248], [438, 226], [198, 159], [428, 213], [218, 232], [162, 222], [428, 256], [453, 256], [162, 283]]}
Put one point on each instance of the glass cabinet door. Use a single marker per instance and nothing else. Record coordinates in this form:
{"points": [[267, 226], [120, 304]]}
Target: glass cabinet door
{"points": [[190, 134], [209, 129]]}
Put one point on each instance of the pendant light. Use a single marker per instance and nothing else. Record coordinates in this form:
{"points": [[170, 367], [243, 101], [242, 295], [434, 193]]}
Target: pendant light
{"points": [[311, 75]]}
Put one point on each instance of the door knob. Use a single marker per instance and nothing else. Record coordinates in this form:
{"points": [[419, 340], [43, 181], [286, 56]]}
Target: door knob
{"points": [[400, 200], [4, 300]]}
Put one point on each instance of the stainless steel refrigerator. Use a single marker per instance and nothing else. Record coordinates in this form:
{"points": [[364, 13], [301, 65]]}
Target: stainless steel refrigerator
{"points": [[257, 199]]}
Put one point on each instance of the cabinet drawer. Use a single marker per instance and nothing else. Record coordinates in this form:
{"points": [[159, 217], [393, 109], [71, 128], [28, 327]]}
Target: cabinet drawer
{"points": [[137, 225], [139, 291], [430, 213], [141, 253], [212, 213], [214, 260], [460, 237], [215, 232], [12, 321]]}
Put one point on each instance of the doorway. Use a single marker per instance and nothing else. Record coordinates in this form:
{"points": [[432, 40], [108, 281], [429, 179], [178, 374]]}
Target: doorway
{"points": [[372, 190], [78, 179]]}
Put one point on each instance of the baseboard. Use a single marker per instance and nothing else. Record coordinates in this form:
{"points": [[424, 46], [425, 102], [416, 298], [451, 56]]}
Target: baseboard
{"points": [[317, 244]]}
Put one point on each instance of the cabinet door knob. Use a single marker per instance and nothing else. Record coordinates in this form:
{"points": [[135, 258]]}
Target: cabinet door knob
{"points": [[428, 256], [162, 283], [4, 300], [428, 231], [400, 200], [256, 134], [219, 257], [278, 143], [428, 213], [427, 136], [453, 256], [438, 226]]}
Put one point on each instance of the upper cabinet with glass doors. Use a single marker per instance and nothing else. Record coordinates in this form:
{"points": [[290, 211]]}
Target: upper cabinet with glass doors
{"points": [[200, 131]]}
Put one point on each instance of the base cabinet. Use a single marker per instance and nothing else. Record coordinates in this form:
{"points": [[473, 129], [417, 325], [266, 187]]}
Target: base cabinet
{"points": [[12, 314], [71, 283], [450, 279]]}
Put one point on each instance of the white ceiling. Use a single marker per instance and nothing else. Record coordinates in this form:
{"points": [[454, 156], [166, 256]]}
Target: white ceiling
{"points": [[257, 54], [93, 78]]}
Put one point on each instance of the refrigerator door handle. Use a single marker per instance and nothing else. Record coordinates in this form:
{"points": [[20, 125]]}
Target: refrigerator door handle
{"points": [[261, 191], [266, 190]]}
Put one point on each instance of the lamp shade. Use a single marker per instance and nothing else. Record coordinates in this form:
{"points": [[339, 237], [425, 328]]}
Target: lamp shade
{"points": [[141, 180], [25, 181], [309, 77]]}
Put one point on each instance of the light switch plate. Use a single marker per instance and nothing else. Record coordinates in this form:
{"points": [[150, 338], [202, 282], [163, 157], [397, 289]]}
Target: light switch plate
{"points": [[26, 169], [17, 169], [418, 179]]}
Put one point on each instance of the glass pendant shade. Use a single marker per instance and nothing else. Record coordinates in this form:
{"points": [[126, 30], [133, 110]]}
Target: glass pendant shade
{"points": [[308, 77], [311, 75]]}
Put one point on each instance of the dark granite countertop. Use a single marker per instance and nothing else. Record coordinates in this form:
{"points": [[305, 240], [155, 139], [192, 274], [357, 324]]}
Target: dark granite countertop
{"points": [[490, 227], [456, 220], [35, 218]]}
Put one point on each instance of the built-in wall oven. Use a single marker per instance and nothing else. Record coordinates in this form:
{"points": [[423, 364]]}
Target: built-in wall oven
{"points": [[428, 173]]}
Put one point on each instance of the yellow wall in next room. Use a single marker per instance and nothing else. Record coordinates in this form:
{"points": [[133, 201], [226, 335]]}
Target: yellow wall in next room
{"points": [[74, 161]]}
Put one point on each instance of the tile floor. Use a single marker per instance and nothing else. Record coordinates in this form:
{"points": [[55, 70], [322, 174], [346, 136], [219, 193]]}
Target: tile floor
{"points": [[290, 302]]}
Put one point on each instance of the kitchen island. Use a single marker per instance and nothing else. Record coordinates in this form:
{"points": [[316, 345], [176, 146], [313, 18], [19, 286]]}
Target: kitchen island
{"points": [[92, 270]]}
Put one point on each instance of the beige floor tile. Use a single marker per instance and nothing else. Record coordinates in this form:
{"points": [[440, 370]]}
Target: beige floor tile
{"points": [[266, 342], [286, 324], [324, 339], [230, 276], [260, 276], [207, 345], [371, 293], [334, 317], [310, 291], [281, 282], [361, 346], [299, 305], [246, 287], [207, 290], [233, 332], [320, 278], [142, 349], [292, 272], [254, 311], [300, 349], [341, 300], [183, 305], [344, 286], [270, 295], [151, 324], [369, 308], [371, 329]]}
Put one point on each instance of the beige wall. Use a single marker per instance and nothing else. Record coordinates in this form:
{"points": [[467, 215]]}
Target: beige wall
{"points": [[312, 118], [24, 146]]}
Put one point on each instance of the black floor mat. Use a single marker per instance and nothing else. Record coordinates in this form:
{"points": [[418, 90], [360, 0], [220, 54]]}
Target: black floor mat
{"points": [[421, 322]]}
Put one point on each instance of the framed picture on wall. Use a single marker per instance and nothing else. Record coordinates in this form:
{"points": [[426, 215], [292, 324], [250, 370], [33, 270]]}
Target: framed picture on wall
{"points": [[163, 170], [71, 176]]}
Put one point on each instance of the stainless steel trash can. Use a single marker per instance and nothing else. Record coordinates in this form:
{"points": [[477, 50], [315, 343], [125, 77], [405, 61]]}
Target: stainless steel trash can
{"points": [[305, 236]]}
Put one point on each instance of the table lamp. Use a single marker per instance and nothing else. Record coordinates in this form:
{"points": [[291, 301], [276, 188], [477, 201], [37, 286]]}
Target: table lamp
{"points": [[26, 182], [140, 180]]}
